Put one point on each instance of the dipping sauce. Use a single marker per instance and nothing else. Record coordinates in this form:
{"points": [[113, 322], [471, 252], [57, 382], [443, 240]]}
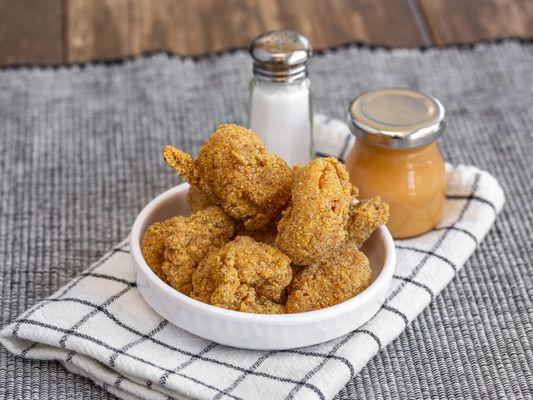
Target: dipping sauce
{"points": [[395, 156]]}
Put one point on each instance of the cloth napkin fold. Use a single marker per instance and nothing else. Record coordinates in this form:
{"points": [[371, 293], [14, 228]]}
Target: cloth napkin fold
{"points": [[99, 326]]}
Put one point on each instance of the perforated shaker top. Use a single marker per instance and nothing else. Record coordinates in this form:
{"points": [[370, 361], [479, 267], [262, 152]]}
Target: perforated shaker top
{"points": [[280, 55]]}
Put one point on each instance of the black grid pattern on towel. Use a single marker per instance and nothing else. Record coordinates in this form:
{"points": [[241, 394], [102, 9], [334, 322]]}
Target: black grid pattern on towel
{"points": [[96, 308], [76, 165]]}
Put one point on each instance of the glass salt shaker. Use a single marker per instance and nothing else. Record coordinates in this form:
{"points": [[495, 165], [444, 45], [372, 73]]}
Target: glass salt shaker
{"points": [[279, 104]]}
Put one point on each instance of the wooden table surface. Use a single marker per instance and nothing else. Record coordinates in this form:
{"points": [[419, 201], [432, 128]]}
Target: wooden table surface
{"points": [[66, 31]]}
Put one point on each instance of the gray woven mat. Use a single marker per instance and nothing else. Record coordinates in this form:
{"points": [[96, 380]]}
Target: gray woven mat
{"points": [[79, 157]]}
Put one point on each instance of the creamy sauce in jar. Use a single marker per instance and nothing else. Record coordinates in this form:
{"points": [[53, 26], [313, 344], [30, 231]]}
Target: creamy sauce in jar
{"points": [[411, 181], [396, 156]]}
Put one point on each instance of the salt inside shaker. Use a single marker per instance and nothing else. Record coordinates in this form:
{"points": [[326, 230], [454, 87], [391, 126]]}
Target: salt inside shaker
{"points": [[279, 104]]}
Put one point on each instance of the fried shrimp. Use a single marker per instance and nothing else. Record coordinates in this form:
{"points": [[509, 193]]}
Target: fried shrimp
{"points": [[234, 170], [326, 283], [263, 237], [191, 239], [365, 217], [244, 275], [153, 244], [314, 224]]}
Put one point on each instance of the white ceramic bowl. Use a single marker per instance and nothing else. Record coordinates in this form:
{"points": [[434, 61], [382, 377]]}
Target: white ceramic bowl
{"points": [[257, 331]]}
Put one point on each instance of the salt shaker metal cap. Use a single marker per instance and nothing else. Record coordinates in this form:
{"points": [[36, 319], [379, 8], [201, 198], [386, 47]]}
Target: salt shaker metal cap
{"points": [[280, 56], [396, 118]]}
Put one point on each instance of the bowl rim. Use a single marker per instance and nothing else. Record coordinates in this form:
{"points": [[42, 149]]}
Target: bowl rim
{"points": [[379, 283]]}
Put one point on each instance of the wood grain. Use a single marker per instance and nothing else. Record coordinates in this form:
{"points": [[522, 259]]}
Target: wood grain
{"points": [[106, 29], [461, 21], [30, 32], [55, 31]]}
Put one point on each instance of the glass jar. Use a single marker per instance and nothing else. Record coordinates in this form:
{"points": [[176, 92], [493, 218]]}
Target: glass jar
{"points": [[396, 157], [279, 102]]}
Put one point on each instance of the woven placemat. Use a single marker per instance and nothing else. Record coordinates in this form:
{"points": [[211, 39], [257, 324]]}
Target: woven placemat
{"points": [[79, 157]]}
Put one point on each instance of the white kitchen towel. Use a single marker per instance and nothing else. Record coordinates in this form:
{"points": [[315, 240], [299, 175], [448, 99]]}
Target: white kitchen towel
{"points": [[99, 326]]}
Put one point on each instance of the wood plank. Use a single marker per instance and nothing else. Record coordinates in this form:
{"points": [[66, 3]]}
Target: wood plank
{"points": [[106, 29], [460, 21], [30, 32]]}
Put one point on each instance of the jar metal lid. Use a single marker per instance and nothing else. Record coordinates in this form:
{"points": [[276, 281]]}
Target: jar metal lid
{"points": [[396, 118], [280, 56]]}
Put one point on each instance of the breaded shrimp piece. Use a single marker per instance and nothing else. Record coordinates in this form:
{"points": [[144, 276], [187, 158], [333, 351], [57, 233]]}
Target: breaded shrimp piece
{"points": [[192, 238], [314, 224], [326, 283], [365, 217], [197, 199], [244, 275], [153, 244], [235, 171]]}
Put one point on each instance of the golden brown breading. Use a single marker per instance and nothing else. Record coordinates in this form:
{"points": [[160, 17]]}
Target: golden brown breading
{"points": [[153, 244], [251, 303], [197, 199], [314, 224], [236, 172], [244, 275], [192, 238], [340, 277], [181, 162], [365, 217], [267, 236]]}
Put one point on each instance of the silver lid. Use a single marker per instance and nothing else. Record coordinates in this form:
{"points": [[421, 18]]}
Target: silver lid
{"points": [[280, 56], [396, 118]]}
